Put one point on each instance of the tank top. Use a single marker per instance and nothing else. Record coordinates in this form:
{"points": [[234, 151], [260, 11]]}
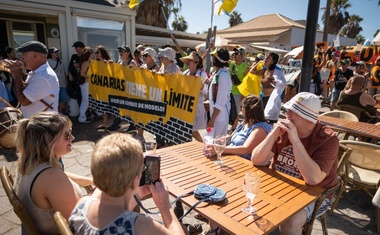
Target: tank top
{"points": [[43, 218], [355, 101], [79, 224]]}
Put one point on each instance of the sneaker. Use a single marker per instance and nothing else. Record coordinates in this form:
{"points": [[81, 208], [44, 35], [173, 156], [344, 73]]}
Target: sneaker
{"points": [[85, 121], [113, 127], [230, 131]]}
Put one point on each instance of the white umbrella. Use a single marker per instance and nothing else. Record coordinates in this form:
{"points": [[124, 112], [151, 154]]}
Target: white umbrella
{"points": [[295, 52], [376, 40]]}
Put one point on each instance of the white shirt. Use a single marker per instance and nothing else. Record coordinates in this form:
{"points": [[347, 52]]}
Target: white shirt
{"points": [[42, 83], [222, 101], [273, 108]]}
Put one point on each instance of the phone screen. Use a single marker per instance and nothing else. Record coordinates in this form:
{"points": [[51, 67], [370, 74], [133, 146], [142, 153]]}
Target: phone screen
{"points": [[152, 172]]}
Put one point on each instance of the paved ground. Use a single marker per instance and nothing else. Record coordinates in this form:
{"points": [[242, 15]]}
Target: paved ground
{"points": [[354, 215]]}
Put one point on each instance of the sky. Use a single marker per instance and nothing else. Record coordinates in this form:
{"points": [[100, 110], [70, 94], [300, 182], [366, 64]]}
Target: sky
{"points": [[197, 13]]}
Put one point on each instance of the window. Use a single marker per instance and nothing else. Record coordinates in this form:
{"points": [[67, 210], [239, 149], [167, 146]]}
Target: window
{"points": [[109, 33]]}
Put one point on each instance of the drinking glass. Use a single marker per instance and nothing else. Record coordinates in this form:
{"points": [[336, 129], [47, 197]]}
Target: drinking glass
{"points": [[251, 187], [219, 145], [150, 147]]}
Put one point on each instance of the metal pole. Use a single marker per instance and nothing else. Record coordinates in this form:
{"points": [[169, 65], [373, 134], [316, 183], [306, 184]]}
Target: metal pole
{"points": [[309, 44], [327, 22]]}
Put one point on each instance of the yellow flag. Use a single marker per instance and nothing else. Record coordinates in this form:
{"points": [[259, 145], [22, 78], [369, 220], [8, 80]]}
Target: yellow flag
{"points": [[134, 3], [227, 6]]}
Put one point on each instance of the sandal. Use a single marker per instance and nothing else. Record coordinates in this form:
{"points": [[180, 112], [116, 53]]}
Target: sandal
{"points": [[212, 231], [199, 217], [194, 228]]}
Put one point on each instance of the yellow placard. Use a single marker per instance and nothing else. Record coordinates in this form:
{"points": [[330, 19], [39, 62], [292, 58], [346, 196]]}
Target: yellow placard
{"points": [[142, 95]]}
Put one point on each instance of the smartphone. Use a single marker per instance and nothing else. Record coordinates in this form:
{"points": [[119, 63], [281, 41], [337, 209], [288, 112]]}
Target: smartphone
{"points": [[152, 171]]}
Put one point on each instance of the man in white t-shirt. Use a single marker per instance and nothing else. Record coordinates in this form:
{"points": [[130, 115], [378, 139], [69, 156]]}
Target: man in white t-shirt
{"points": [[41, 89]]}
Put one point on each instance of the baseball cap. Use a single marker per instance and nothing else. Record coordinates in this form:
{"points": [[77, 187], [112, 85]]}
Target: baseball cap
{"points": [[260, 56], [345, 61], [140, 47], [239, 50], [193, 56], [35, 46], [78, 44], [52, 50], [124, 47], [150, 51], [167, 52], [306, 105]]}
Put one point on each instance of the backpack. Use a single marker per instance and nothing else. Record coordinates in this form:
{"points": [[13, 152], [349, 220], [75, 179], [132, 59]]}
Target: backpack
{"points": [[233, 114]]}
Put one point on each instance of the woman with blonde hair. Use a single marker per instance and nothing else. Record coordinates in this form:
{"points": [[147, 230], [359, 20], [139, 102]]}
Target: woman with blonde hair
{"points": [[116, 166], [41, 184]]}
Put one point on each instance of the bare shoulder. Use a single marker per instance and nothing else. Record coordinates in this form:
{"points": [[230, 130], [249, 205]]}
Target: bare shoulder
{"points": [[146, 225]]}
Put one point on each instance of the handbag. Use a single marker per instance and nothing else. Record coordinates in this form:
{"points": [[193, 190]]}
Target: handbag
{"points": [[234, 78], [203, 192]]}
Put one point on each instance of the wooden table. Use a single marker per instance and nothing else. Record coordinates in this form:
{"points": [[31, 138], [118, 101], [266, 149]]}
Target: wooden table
{"points": [[184, 166], [352, 127]]}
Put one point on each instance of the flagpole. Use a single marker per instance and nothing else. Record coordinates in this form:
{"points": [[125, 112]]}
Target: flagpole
{"points": [[212, 12]]}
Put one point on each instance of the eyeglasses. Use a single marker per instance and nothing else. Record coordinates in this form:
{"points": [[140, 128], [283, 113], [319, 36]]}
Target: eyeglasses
{"points": [[67, 136], [122, 51]]}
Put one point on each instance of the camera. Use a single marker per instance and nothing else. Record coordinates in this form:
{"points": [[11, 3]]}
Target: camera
{"points": [[151, 174]]}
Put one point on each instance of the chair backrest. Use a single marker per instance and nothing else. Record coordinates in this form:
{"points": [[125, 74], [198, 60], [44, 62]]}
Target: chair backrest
{"points": [[364, 155], [343, 155], [355, 110], [341, 114], [62, 224], [16, 203]]}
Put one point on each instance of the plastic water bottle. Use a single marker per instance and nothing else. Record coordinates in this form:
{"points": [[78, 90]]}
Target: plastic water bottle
{"points": [[207, 141]]}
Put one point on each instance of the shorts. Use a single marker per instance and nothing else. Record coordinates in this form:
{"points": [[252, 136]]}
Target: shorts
{"points": [[335, 95], [238, 100], [310, 208], [63, 96]]}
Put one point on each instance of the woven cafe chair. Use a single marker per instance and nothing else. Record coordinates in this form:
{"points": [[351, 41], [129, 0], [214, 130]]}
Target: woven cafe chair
{"points": [[344, 152], [62, 225], [18, 206], [342, 115], [361, 171], [358, 112]]}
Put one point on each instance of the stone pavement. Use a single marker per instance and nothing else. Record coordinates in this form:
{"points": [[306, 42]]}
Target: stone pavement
{"points": [[354, 214]]}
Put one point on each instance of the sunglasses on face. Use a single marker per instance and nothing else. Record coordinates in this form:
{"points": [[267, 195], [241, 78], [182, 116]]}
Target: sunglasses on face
{"points": [[67, 136], [97, 52], [122, 51], [146, 55]]}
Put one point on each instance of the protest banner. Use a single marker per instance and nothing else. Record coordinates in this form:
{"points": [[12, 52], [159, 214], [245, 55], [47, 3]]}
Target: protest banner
{"points": [[164, 105], [368, 54]]}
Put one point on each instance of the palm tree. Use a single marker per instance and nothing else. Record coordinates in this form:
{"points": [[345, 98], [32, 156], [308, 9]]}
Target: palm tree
{"points": [[360, 39], [338, 15], [235, 18], [150, 12], [352, 28], [179, 24]]}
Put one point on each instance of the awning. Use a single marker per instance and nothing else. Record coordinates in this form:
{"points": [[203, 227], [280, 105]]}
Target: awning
{"points": [[272, 49], [295, 52]]}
